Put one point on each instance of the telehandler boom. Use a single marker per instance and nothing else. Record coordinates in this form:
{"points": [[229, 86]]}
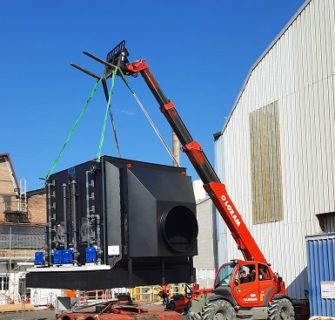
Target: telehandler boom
{"points": [[247, 288]]}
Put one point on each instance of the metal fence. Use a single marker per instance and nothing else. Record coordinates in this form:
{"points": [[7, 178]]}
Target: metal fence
{"points": [[19, 241], [22, 237]]}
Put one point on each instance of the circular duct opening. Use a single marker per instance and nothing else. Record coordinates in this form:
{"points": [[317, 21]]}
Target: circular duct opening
{"points": [[180, 229]]}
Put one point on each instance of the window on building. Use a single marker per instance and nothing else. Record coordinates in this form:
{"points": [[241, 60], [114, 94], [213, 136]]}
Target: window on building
{"points": [[266, 178], [4, 283], [327, 222]]}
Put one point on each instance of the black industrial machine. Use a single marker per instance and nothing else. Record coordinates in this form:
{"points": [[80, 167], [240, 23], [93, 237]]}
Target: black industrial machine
{"points": [[117, 223]]}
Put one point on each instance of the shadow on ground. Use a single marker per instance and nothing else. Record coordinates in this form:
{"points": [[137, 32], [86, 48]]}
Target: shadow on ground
{"points": [[29, 315]]}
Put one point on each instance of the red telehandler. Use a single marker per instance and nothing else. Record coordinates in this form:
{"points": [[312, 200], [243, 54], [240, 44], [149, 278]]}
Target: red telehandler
{"points": [[245, 289]]}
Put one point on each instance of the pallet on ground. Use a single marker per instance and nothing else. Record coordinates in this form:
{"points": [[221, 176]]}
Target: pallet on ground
{"points": [[16, 307]]}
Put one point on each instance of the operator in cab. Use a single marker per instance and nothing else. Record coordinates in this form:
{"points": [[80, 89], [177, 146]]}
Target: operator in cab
{"points": [[244, 277], [247, 276]]}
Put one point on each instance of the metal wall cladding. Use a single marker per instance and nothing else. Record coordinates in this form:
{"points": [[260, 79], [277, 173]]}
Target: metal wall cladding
{"points": [[321, 274], [297, 71]]}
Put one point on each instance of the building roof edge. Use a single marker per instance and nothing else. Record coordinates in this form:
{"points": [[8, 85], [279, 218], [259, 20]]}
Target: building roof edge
{"points": [[265, 52], [7, 156]]}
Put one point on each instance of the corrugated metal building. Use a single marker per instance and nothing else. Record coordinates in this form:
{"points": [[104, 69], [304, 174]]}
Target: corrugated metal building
{"points": [[204, 261], [276, 152], [321, 274]]}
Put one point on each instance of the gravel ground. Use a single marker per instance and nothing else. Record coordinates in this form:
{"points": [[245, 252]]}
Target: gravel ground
{"points": [[29, 315]]}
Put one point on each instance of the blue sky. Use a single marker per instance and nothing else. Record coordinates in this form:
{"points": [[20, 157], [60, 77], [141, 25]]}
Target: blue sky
{"points": [[199, 51]]}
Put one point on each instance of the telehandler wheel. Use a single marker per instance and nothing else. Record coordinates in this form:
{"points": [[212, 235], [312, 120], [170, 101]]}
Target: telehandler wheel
{"points": [[219, 310], [281, 309], [192, 316]]}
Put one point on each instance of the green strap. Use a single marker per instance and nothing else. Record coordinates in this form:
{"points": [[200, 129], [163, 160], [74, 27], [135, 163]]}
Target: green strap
{"points": [[74, 127], [102, 136]]}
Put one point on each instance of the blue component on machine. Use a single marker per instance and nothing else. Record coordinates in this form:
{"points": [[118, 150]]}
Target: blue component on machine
{"points": [[39, 258], [58, 256], [91, 255], [68, 256]]}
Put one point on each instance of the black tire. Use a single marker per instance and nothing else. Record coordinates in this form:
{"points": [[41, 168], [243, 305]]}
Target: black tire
{"points": [[193, 316], [281, 309], [219, 310]]}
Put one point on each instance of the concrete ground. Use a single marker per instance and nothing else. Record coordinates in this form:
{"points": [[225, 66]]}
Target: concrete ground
{"points": [[29, 315]]}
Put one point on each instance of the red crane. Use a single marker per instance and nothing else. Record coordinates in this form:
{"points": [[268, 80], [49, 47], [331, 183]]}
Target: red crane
{"points": [[243, 288], [248, 288]]}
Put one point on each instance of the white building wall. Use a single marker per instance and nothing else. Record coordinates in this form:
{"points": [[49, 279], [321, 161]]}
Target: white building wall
{"points": [[297, 71], [204, 261], [221, 228]]}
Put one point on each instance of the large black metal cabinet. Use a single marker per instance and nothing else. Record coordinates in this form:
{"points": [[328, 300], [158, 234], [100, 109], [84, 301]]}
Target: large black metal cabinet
{"points": [[141, 217]]}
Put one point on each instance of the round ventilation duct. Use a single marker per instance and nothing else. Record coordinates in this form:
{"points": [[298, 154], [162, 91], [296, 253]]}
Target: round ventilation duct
{"points": [[180, 229]]}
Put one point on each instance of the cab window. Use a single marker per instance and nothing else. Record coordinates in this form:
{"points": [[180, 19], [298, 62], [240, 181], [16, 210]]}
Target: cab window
{"points": [[247, 273], [263, 272], [224, 275]]}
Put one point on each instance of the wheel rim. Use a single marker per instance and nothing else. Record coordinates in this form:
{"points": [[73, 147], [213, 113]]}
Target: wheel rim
{"points": [[284, 314], [220, 316]]}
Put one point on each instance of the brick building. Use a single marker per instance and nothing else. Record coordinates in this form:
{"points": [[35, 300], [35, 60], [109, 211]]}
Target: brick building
{"points": [[36, 203], [22, 230], [12, 207]]}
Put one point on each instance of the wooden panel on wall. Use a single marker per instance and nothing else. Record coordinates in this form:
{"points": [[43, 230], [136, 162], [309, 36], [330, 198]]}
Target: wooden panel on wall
{"points": [[266, 179]]}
